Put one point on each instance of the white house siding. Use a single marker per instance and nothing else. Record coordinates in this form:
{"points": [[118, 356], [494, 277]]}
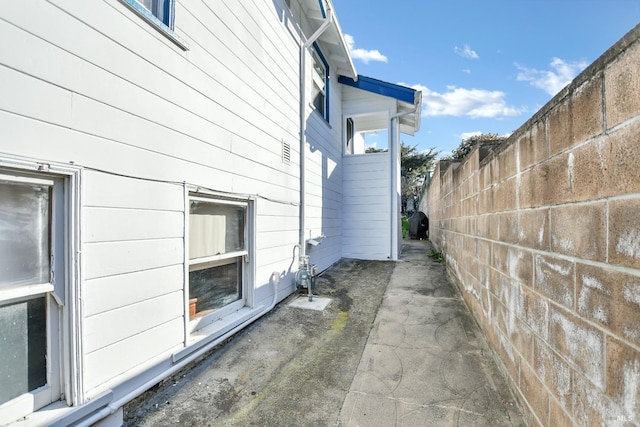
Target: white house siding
{"points": [[366, 201], [377, 108], [324, 188], [89, 82]]}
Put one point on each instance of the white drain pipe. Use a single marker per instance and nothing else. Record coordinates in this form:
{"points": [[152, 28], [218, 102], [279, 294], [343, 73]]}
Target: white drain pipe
{"points": [[303, 122]]}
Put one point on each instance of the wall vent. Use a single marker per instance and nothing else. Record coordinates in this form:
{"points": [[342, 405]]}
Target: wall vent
{"points": [[286, 153]]}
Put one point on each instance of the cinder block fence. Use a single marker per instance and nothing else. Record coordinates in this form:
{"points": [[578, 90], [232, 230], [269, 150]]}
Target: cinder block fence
{"points": [[542, 236]]}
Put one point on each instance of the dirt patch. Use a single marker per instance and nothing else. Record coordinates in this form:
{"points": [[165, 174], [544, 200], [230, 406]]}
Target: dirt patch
{"points": [[292, 364]]}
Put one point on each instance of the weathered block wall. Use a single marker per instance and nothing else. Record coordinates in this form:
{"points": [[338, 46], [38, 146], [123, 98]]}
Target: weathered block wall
{"points": [[542, 236]]}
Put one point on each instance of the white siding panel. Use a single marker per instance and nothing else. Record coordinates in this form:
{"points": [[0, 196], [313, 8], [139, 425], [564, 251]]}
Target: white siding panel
{"points": [[271, 74], [39, 140], [363, 251], [188, 111], [277, 223], [371, 191], [112, 292], [111, 225], [366, 206], [26, 96], [97, 118], [100, 189], [108, 328], [107, 363], [272, 241], [366, 216], [263, 274], [106, 259], [354, 219]]}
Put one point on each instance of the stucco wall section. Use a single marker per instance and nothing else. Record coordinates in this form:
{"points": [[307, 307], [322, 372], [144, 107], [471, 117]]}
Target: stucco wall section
{"points": [[542, 236]]}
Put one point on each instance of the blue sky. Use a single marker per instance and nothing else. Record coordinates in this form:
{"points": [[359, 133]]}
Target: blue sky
{"points": [[484, 66]]}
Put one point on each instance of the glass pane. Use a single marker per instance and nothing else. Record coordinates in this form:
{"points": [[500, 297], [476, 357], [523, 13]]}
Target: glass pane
{"points": [[23, 348], [215, 229], [24, 233], [321, 71], [158, 8], [213, 288], [318, 100]]}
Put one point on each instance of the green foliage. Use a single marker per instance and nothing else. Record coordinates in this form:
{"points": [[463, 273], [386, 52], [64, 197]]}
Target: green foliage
{"points": [[436, 255], [374, 150], [414, 166], [467, 145], [405, 227]]}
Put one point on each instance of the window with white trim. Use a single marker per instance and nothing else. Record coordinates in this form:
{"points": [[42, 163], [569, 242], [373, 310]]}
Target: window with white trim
{"points": [[218, 258], [162, 10], [32, 290], [160, 14], [349, 136], [320, 89]]}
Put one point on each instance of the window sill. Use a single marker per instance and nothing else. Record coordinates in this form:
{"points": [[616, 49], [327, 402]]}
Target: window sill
{"points": [[208, 334], [59, 413], [158, 25]]}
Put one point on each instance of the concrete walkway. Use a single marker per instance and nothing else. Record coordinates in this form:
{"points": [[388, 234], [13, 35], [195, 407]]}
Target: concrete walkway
{"points": [[396, 346], [425, 362]]}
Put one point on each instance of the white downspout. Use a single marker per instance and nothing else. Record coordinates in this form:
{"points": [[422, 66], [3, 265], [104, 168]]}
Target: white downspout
{"points": [[394, 145], [303, 124]]}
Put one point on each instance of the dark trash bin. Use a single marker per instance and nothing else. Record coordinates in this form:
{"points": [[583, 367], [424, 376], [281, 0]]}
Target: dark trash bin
{"points": [[418, 226]]}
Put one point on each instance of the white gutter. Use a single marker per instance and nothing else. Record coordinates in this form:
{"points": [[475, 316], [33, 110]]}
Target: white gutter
{"points": [[394, 137], [303, 123]]}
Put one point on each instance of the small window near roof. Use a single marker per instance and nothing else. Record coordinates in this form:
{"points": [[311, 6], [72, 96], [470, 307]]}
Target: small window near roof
{"points": [[160, 14], [161, 9]]}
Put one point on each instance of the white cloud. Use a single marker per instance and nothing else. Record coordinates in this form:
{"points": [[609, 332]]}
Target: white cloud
{"points": [[467, 71], [365, 56], [466, 52], [474, 103], [551, 81]]}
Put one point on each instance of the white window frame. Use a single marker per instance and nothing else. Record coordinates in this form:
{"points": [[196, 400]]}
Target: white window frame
{"points": [[349, 139], [164, 28], [61, 293], [247, 257]]}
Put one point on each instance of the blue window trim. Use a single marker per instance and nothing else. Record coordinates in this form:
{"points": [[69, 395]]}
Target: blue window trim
{"points": [[327, 91], [164, 28], [324, 14]]}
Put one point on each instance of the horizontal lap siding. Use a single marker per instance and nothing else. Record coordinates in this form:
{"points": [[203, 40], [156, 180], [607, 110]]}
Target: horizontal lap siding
{"points": [[133, 272], [324, 176], [142, 117], [366, 207]]}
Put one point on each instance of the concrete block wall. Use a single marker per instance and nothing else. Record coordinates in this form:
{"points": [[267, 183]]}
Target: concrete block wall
{"points": [[542, 236]]}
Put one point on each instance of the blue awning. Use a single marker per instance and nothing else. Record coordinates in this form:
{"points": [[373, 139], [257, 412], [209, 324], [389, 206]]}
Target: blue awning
{"points": [[401, 93], [408, 101]]}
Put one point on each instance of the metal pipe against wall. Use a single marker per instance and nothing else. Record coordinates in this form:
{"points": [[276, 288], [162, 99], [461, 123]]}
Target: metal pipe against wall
{"points": [[304, 47]]}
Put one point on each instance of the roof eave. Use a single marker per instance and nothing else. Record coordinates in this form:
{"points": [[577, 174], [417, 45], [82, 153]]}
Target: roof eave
{"points": [[341, 57], [409, 101]]}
